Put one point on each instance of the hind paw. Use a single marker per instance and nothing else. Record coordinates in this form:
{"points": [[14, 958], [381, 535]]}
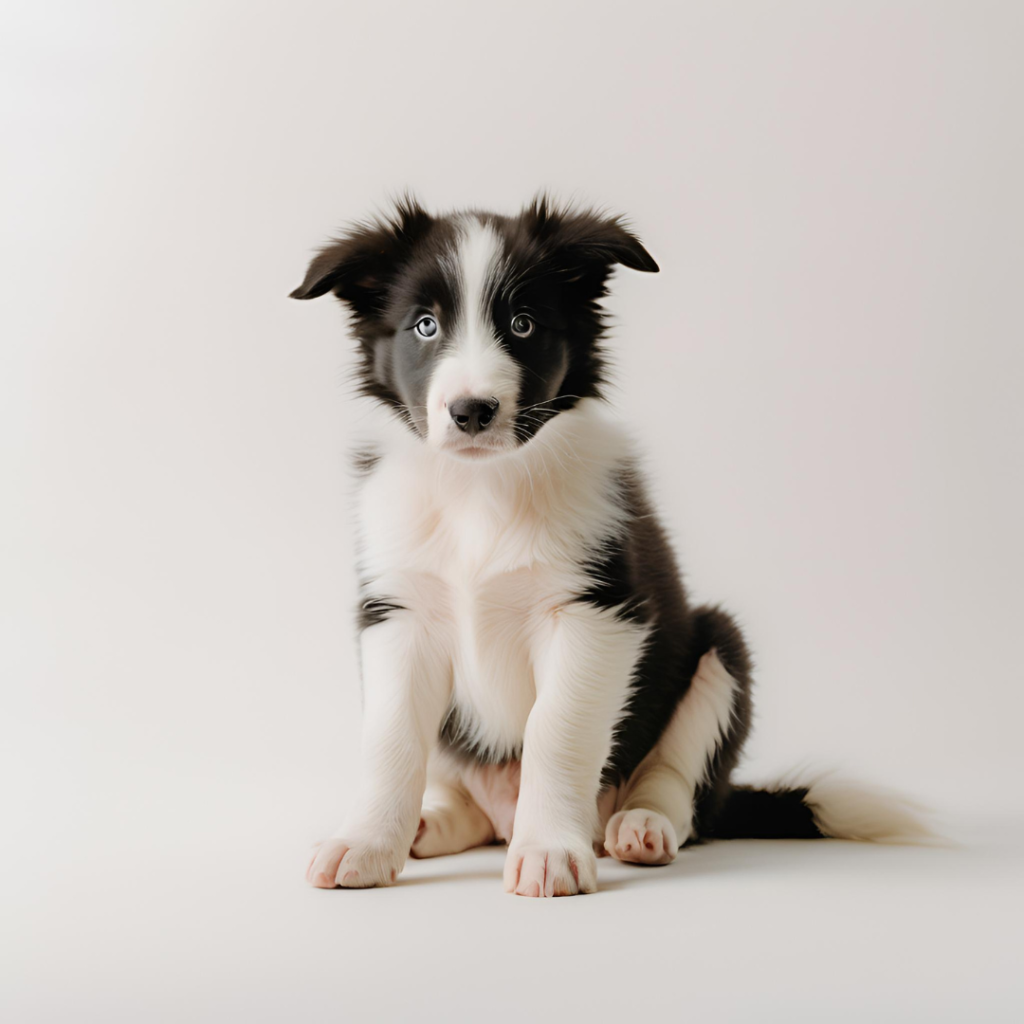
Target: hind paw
{"points": [[641, 837]]}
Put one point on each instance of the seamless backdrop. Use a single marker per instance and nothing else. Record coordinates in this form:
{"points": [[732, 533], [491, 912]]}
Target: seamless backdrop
{"points": [[825, 377]]}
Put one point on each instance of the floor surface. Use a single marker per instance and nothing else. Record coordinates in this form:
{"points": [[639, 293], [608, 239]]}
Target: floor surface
{"points": [[744, 931]]}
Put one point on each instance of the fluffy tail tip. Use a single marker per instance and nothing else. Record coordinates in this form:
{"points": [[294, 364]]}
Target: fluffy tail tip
{"points": [[853, 810]]}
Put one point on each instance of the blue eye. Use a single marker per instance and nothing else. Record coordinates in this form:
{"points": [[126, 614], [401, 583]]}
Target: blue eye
{"points": [[522, 325], [426, 327]]}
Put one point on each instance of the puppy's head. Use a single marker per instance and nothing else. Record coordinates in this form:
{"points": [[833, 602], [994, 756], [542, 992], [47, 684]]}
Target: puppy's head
{"points": [[477, 329]]}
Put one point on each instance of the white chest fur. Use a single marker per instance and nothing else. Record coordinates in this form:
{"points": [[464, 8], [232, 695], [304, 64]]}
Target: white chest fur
{"points": [[487, 552]]}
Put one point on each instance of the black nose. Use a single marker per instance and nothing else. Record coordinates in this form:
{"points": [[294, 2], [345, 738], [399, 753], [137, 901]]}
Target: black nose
{"points": [[473, 414]]}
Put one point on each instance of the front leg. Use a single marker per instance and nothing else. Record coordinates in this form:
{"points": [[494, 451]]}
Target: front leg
{"points": [[583, 665], [406, 688]]}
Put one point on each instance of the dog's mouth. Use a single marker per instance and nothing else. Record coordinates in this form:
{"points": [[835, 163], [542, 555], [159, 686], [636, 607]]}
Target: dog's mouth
{"points": [[474, 452]]}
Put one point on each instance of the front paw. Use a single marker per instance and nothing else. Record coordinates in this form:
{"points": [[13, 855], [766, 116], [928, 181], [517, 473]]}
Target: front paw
{"points": [[537, 869], [354, 864]]}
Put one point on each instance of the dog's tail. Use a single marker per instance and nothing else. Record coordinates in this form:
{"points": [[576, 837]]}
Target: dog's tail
{"points": [[819, 809], [801, 807]]}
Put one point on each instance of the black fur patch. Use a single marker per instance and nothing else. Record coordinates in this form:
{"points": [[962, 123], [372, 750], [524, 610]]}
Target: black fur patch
{"points": [[748, 813], [364, 461], [374, 610], [636, 575], [454, 735]]}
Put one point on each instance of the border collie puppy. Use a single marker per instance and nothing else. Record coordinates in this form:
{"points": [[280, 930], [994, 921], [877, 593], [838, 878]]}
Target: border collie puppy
{"points": [[532, 671]]}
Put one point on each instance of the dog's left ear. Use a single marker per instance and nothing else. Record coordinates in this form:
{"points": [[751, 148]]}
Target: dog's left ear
{"points": [[586, 239], [359, 266]]}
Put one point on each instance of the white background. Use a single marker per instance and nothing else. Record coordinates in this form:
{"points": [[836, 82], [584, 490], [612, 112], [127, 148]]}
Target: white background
{"points": [[826, 376]]}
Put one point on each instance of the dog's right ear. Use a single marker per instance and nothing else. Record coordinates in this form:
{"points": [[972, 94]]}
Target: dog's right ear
{"points": [[359, 266]]}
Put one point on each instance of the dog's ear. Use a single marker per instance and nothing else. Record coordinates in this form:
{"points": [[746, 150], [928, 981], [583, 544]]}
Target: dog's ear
{"points": [[359, 266], [584, 239]]}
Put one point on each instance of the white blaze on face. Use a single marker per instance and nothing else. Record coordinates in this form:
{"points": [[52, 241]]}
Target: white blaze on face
{"points": [[475, 365]]}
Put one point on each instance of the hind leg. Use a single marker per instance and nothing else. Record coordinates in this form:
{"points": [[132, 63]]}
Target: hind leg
{"points": [[656, 812], [451, 820]]}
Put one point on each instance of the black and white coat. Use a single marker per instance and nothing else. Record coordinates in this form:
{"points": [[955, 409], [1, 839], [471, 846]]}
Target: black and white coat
{"points": [[532, 672]]}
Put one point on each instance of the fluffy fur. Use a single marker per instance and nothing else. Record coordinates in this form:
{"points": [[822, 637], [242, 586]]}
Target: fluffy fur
{"points": [[532, 670]]}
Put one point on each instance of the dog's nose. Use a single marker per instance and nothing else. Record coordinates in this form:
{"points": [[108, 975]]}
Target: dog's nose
{"points": [[473, 414]]}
